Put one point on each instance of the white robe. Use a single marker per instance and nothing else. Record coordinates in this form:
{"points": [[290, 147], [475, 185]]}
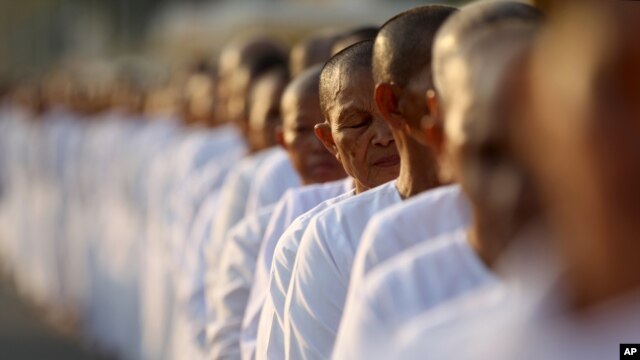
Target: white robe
{"points": [[230, 291], [322, 269], [275, 176], [294, 203], [191, 153], [400, 227], [233, 201], [191, 315], [428, 275], [528, 317], [270, 335]]}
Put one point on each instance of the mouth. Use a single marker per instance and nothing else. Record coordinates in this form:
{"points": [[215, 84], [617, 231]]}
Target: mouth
{"points": [[388, 161]]}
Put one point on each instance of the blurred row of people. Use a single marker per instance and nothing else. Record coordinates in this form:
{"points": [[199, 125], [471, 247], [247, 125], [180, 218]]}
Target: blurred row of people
{"points": [[454, 183]]}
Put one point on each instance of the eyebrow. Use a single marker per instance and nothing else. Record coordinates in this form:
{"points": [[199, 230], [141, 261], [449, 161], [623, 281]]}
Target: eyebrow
{"points": [[348, 112]]}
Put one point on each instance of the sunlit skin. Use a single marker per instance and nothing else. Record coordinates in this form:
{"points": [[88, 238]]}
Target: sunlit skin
{"points": [[315, 49], [264, 114], [238, 73], [589, 167], [198, 99], [355, 132], [300, 113], [473, 146], [403, 108]]}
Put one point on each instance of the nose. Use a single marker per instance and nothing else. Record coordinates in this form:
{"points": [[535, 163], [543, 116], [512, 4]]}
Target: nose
{"points": [[382, 135]]}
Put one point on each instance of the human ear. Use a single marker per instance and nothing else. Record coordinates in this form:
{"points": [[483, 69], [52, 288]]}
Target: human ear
{"points": [[323, 132], [387, 103], [433, 129], [432, 126]]}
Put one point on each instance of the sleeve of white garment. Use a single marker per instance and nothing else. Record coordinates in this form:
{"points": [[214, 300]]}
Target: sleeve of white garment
{"points": [[274, 177], [317, 291], [231, 210], [271, 324], [362, 333], [281, 216], [235, 276]]}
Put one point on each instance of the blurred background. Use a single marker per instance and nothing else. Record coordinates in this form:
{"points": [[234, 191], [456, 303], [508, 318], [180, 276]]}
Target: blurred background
{"points": [[86, 37], [36, 34]]}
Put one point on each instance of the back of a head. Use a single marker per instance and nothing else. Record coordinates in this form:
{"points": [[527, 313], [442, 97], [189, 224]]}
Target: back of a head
{"points": [[312, 50], [354, 36], [305, 84], [264, 108], [240, 66], [238, 51], [474, 21], [402, 49], [351, 60]]}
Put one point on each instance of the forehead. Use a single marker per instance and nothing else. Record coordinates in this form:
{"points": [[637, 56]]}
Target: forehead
{"points": [[300, 105], [351, 86]]}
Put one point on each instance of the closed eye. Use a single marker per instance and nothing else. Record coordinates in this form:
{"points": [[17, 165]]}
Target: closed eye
{"points": [[359, 123]]}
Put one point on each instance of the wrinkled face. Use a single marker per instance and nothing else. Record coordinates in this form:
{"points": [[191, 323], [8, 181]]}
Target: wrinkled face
{"points": [[264, 116], [301, 112], [363, 141]]}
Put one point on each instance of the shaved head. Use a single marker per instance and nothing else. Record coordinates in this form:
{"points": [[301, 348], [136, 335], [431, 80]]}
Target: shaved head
{"points": [[354, 36], [354, 131], [300, 114], [314, 49], [354, 59], [304, 85], [247, 51], [241, 63], [403, 46], [264, 108], [487, 16]]}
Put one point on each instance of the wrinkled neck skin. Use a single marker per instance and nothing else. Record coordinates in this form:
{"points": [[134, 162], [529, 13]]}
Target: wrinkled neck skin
{"points": [[417, 167]]}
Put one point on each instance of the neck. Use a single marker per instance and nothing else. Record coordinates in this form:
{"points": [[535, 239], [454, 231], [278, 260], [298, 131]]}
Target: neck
{"points": [[488, 237], [360, 188], [608, 266], [417, 167]]}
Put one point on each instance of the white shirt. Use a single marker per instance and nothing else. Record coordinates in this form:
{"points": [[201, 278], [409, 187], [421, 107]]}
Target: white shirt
{"points": [[529, 317], [412, 283], [190, 153], [192, 315], [294, 203], [275, 176], [393, 230], [322, 269], [230, 292], [441, 330], [270, 336], [233, 201]]}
